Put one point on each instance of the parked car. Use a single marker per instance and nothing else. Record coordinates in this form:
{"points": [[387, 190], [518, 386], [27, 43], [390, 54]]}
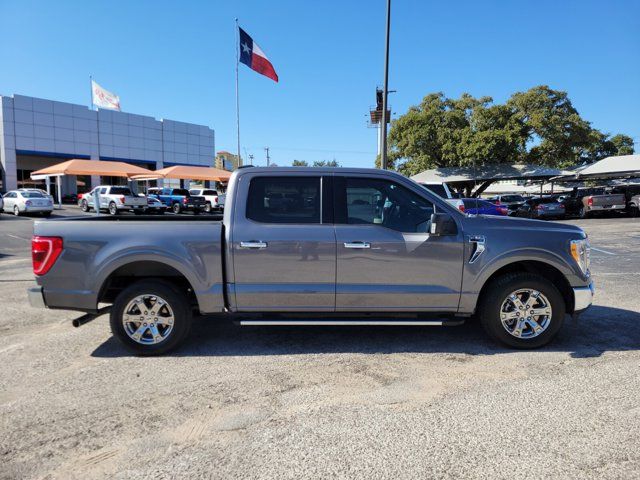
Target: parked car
{"points": [[541, 208], [114, 199], [512, 201], [27, 201], [369, 241], [601, 201], [477, 206], [210, 197], [443, 190], [43, 192], [634, 206], [178, 199], [1, 204], [155, 206]]}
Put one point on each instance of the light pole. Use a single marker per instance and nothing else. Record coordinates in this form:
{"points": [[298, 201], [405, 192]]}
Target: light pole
{"points": [[385, 91]]}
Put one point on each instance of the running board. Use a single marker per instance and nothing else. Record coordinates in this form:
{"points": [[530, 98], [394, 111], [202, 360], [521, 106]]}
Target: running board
{"points": [[432, 323]]}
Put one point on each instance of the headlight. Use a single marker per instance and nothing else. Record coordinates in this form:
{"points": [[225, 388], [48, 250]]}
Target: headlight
{"points": [[581, 253]]}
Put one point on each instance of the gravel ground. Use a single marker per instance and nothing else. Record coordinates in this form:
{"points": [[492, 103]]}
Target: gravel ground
{"points": [[269, 402]]}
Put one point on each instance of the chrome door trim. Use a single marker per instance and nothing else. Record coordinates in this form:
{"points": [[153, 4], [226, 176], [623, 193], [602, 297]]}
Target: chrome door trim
{"points": [[253, 244], [357, 245]]}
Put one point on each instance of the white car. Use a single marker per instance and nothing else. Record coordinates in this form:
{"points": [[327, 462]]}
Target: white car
{"points": [[442, 190], [210, 196], [114, 199], [27, 201]]}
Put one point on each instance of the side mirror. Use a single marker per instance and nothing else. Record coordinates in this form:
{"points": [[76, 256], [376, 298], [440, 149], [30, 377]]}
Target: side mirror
{"points": [[443, 224]]}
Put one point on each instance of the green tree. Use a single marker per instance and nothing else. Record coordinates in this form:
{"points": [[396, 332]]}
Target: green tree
{"points": [[539, 126], [326, 163], [300, 163]]}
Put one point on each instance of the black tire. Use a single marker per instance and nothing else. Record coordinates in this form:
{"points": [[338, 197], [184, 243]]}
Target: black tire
{"points": [[113, 209], [634, 211], [196, 211], [176, 299], [177, 208], [46, 214], [208, 207], [84, 206], [16, 211], [498, 291]]}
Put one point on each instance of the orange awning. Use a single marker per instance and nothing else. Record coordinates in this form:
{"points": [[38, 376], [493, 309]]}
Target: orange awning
{"points": [[184, 172], [91, 167]]}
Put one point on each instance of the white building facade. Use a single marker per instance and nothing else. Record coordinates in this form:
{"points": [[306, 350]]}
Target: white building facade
{"points": [[36, 133]]}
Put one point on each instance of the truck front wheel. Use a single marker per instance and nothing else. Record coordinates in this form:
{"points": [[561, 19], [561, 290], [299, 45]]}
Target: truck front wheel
{"points": [[522, 310], [151, 317]]}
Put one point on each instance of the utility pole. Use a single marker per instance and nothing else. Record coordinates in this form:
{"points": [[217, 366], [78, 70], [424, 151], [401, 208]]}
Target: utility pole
{"points": [[250, 159], [266, 149], [385, 91]]}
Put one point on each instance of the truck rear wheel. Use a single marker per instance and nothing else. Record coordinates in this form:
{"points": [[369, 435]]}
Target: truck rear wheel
{"points": [[151, 317], [113, 209], [522, 310], [177, 208]]}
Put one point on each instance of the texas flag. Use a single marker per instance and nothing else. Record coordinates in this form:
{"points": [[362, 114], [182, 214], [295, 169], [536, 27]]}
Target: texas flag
{"points": [[254, 58]]}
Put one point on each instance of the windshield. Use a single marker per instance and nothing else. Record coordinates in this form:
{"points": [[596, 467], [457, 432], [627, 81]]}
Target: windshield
{"points": [[438, 189], [32, 195]]}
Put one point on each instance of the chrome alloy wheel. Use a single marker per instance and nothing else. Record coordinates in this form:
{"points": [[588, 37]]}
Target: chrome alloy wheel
{"points": [[148, 319], [526, 313]]}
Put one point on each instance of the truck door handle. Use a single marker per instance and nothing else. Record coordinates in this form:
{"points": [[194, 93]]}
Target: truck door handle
{"points": [[357, 245], [253, 244]]}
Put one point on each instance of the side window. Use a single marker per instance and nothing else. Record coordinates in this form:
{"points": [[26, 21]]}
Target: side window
{"points": [[284, 200], [103, 191], [386, 203]]}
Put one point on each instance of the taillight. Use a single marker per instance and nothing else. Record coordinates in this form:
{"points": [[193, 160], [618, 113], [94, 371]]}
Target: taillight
{"points": [[590, 201], [497, 202], [461, 207], [540, 207], [215, 198], [184, 200], [122, 200], [44, 253], [28, 203], [503, 211]]}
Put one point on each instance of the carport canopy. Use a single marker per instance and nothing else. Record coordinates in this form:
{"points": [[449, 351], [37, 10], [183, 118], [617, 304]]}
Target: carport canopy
{"points": [[89, 167], [468, 177], [78, 166], [612, 167], [185, 172]]}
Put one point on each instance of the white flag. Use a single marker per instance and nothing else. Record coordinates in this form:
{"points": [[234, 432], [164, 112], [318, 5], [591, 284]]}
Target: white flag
{"points": [[104, 98]]}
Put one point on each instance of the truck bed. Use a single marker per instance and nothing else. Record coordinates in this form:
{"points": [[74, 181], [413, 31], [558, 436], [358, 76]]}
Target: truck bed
{"points": [[107, 247]]}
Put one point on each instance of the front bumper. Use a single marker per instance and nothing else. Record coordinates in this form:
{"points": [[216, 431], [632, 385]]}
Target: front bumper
{"points": [[583, 297], [36, 298]]}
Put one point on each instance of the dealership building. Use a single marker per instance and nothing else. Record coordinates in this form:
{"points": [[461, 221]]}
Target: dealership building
{"points": [[37, 133]]}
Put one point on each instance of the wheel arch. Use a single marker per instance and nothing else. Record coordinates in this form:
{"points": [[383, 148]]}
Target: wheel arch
{"points": [[133, 271], [544, 269]]}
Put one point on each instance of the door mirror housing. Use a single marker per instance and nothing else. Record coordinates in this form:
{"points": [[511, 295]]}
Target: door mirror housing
{"points": [[443, 224]]}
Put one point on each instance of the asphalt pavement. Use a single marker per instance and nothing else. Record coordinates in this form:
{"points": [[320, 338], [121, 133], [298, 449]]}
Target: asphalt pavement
{"points": [[311, 402]]}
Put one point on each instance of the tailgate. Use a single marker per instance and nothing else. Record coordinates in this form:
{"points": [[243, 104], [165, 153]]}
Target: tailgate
{"points": [[135, 201], [608, 200]]}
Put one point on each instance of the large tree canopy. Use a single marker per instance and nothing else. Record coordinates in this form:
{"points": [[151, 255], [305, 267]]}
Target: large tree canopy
{"points": [[539, 126]]}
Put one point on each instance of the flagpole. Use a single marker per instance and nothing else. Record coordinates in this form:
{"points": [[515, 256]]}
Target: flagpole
{"points": [[238, 91], [91, 92]]}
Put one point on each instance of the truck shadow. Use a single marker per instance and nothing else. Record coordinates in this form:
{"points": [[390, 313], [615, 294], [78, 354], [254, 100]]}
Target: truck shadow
{"points": [[600, 329]]}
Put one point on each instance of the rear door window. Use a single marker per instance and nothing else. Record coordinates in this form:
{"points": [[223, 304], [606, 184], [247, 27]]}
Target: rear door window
{"points": [[284, 200]]}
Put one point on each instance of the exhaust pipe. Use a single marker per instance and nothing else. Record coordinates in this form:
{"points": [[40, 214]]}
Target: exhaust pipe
{"points": [[90, 316]]}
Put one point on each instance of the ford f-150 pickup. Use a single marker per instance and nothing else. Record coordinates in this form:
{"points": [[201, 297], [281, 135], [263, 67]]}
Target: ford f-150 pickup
{"points": [[339, 247]]}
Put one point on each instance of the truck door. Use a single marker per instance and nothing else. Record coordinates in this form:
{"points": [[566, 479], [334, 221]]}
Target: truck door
{"points": [[283, 244], [386, 259]]}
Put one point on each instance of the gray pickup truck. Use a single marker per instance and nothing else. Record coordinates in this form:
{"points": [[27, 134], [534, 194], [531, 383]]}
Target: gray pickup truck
{"points": [[315, 246]]}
